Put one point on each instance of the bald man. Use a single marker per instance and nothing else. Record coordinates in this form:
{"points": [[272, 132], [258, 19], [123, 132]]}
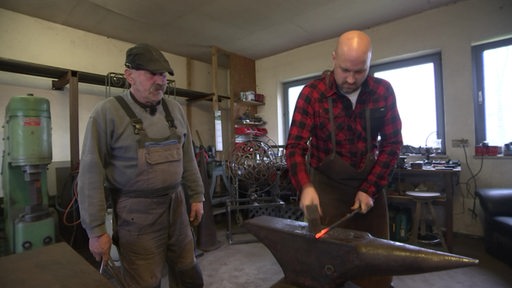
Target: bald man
{"points": [[337, 121]]}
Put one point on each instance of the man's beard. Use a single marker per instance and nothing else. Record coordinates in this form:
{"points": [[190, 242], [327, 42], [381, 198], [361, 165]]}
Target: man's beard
{"points": [[156, 93], [349, 88], [155, 88]]}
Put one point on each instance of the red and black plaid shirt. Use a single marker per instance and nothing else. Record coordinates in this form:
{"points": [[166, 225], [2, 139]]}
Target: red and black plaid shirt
{"points": [[311, 120]]}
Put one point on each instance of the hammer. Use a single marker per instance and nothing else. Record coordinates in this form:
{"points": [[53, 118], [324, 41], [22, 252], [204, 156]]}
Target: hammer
{"points": [[313, 218]]}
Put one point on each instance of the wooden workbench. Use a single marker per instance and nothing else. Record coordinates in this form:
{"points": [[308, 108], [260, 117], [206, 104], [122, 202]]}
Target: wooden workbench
{"points": [[445, 180], [56, 265]]}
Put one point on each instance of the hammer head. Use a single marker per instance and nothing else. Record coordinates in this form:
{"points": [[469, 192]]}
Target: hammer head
{"points": [[313, 218]]}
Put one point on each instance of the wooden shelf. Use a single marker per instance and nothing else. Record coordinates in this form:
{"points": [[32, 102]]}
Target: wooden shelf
{"points": [[241, 123], [242, 77], [395, 197], [250, 103], [60, 74]]}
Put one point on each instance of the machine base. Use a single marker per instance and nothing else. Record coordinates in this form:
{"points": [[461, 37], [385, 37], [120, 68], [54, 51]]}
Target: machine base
{"points": [[34, 234]]}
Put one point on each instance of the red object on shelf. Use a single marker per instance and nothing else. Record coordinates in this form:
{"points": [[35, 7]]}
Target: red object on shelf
{"points": [[487, 150], [259, 97]]}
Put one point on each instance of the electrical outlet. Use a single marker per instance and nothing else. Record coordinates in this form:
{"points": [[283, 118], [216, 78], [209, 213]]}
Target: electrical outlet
{"points": [[459, 143]]}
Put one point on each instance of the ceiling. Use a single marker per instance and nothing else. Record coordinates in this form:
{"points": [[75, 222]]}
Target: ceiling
{"points": [[255, 29]]}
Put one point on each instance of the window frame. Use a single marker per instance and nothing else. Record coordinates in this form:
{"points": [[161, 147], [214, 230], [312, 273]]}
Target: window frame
{"points": [[477, 52], [436, 60], [287, 115]]}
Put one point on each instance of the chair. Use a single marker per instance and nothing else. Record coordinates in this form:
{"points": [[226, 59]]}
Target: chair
{"points": [[496, 205], [425, 199]]}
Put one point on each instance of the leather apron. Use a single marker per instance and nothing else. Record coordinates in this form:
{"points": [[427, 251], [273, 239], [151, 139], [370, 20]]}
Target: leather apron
{"points": [[151, 226], [337, 183]]}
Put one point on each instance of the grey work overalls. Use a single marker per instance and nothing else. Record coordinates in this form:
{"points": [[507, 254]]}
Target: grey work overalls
{"points": [[152, 226]]}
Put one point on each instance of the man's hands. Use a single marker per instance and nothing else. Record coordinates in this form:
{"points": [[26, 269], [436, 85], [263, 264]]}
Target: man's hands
{"points": [[362, 201], [100, 247], [309, 196], [196, 213]]}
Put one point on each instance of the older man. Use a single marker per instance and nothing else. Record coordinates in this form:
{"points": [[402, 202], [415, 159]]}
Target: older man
{"points": [[137, 154]]}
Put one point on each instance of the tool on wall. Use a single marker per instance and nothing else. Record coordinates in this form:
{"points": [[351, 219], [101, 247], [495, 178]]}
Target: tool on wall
{"points": [[27, 153]]}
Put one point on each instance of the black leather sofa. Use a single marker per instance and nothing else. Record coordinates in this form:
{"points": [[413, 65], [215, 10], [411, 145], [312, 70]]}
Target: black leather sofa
{"points": [[496, 204]]}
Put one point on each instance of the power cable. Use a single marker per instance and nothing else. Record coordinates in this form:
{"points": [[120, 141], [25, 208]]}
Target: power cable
{"points": [[472, 179]]}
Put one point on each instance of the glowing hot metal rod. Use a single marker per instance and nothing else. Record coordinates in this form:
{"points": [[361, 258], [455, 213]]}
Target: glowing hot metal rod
{"points": [[333, 225]]}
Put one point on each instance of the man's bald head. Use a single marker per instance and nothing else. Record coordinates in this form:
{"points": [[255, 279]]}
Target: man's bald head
{"points": [[351, 60], [354, 44]]}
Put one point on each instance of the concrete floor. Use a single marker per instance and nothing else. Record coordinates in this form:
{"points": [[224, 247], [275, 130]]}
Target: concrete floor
{"points": [[247, 265]]}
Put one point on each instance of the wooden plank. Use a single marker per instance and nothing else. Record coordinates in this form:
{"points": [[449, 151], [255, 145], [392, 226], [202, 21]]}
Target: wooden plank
{"points": [[74, 142]]}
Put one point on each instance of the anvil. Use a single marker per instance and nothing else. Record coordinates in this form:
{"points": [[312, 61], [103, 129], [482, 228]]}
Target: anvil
{"points": [[343, 255]]}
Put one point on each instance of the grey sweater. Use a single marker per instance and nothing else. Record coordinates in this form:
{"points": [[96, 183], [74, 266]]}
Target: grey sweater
{"points": [[109, 156]]}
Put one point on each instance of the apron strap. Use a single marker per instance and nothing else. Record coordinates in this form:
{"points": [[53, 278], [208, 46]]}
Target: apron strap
{"points": [[368, 130], [168, 115], [333, 129], [136, 121]]}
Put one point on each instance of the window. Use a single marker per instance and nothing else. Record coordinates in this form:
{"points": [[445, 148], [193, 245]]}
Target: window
{"points": [[492, 69], [417, 83], [291, 91]]}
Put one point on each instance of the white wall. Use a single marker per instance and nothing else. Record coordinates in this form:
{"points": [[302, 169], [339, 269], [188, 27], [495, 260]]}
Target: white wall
{"points": [[452, 30], [37, 41]]}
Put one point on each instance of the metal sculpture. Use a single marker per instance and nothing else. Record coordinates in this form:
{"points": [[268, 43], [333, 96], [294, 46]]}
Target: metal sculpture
{"points": [[253, 168]]}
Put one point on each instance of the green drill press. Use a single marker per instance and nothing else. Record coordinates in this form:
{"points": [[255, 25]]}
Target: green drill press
{"points": [[27, 152]]}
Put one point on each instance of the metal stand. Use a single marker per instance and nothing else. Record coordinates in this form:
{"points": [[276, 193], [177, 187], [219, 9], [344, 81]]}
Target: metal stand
{"points": [[247, 204], [218, 172], [425, 198]]}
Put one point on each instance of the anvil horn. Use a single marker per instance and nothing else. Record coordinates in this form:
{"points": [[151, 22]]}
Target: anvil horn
{"points": [[343, 255]]}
